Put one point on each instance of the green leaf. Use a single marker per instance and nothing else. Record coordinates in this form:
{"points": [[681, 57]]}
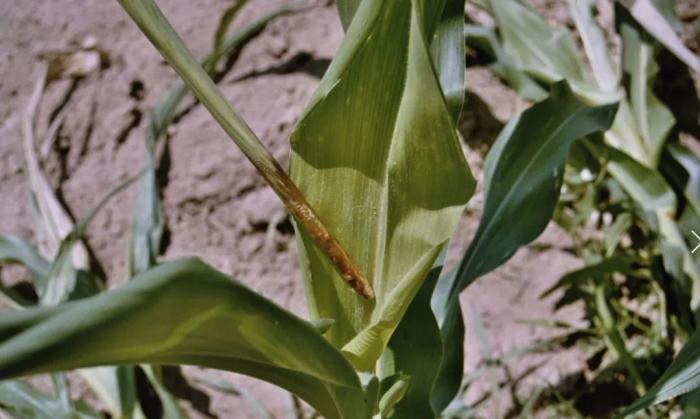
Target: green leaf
{"points": [[681, 377], [420, 355], [171, 409], [646, 186], [377, 155], [451, 326], [393, 389], [528, 153], [346, 10], [15, 250], [53, 223], [652, 118], [646, 13], [226, 19], [116, 387], [416, 351], [67, 276], [595, 45], [527, 160], [547, 54], [148, 221], [614, 234], [682, 169], [61, 278], [64, 279], [222, 325], [595, 271], [485, 39], [653, 194], [447, 51], [24, 401]]}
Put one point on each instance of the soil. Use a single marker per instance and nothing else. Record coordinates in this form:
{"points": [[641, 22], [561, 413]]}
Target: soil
{"points": [[217, 207]]}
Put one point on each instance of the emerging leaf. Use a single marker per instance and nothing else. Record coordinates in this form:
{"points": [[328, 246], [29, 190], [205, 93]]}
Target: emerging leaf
{"points": [[377, 155]]}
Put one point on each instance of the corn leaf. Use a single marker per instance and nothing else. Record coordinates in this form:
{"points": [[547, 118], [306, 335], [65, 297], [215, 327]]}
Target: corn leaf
{"points": [[681, 377], [526, 160], [15, 250], [547, 54], [534, 52], [596, 270], [148, 16], [484, 39], [416, 351], [171, 408], [377, 155], [647, 14], [652, 193], [223, 325], [53, 221], [64, 280], [24, 401], [642, 123], [447, 51], [67, 276], [225, 22], [148, 222], [448, 315], [116, 387], [595, 44], [423, 356], [346, 10], [652, 118], [682, 168]]}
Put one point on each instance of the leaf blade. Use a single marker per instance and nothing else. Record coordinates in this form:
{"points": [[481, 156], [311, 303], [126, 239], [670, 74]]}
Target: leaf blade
{"points": [[145, 321], [363, 156], [516, 168]]}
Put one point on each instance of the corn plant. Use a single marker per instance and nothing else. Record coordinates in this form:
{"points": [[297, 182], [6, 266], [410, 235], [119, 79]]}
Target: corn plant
{"points": [[377, 184], [637, 181]]}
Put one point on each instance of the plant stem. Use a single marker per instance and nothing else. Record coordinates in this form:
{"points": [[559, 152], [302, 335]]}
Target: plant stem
{"points": [[156, 27]]}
